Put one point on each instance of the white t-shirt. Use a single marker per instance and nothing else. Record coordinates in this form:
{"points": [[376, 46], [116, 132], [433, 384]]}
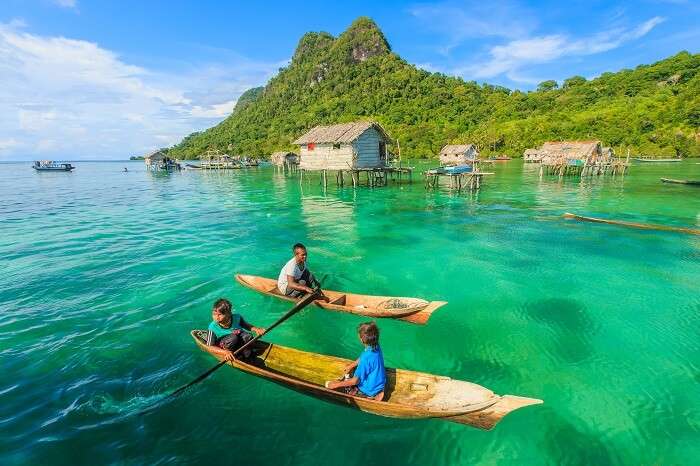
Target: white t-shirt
{"points": [[290, 268]]}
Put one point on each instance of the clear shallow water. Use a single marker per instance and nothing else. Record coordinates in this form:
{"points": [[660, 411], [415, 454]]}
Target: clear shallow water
{"points": [[105, 272]]}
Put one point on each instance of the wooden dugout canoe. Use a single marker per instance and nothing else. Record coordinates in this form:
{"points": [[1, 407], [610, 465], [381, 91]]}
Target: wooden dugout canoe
{"points": [[408, 394], [653, 160], [414, 310], [642, 226], [671, 180]]}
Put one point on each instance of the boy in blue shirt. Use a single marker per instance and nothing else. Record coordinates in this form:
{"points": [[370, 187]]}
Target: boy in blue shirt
{"points": [[369, 378], [227, 331]]}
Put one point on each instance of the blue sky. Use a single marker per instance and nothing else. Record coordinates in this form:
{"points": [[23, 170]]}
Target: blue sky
{"points": [[104, 80]]}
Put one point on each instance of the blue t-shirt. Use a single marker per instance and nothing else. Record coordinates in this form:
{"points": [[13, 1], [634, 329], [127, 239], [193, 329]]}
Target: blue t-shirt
{"points": [[370, 371], [219, 331]]}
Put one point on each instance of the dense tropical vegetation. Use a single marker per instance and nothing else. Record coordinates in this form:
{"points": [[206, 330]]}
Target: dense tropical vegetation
{"points": [[652, 110]]}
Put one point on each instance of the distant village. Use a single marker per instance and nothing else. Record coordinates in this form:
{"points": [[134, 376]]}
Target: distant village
{"points": [[364, 151]]}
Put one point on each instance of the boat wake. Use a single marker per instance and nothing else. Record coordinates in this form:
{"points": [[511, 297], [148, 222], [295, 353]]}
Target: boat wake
{"points": [[105, 404]]}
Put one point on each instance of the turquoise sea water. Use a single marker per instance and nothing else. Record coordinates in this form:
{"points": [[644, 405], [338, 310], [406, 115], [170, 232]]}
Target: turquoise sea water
{"points": [[104, 273]]}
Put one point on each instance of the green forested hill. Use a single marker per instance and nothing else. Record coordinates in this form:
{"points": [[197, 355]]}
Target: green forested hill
{"points": [[653, 109]]}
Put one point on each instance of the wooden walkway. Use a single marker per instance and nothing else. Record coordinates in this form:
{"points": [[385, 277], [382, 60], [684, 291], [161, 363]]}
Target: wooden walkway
{"points": [[459, 181]]}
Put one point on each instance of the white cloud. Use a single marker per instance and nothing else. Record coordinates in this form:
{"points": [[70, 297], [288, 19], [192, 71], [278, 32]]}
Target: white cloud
{"points": [[459, 22], [509, 59], [66, 3], [73, 98]]}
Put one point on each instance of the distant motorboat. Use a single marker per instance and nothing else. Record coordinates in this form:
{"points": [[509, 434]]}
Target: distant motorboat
{"points": [[51, 166]]}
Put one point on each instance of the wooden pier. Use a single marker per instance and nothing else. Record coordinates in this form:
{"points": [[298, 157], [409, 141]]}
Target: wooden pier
{"points": [[370, 177], [458, 181]]}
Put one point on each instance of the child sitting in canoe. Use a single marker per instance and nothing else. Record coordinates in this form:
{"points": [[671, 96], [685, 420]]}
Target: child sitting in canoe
{"points": [[369, 377], [227, 331]]}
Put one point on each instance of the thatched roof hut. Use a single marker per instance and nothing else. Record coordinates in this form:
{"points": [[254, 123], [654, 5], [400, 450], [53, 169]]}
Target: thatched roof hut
{"points": [[458, 154], [284, 158], [155, 156], [586, 151], [356, 145], [344, 133]]}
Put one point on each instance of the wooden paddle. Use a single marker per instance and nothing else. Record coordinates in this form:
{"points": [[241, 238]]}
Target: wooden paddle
{"points": [[311, 297]]}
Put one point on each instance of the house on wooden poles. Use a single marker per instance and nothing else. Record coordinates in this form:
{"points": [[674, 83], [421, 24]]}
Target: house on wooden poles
{"points": [[284, 159], [347, 146], [358, 149], [159, 160], [458, 154], [571, 152], [578, 158]]}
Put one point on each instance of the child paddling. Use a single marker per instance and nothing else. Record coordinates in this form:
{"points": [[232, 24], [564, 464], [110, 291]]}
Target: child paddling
{"points": [[227, 331], [369, 377]]}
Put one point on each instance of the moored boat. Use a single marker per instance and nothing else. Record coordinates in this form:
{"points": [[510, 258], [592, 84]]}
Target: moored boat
{"points": [[458, 169], [408, 394], [671, 180], [414, 310], [657, 160], [51, 166]]}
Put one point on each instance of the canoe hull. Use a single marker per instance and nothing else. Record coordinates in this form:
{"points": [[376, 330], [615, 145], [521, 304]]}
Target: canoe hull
{"points": [[689, 182], [417, 311], [305, 373], [657, 160]]}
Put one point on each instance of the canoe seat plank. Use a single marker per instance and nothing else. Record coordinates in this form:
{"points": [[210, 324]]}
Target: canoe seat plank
{"points": [[340, 300]]}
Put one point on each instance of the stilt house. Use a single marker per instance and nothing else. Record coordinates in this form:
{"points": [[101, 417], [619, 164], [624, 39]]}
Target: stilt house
{"points": [[159, 160], [572, 152], [347, 146], [458, 154]]}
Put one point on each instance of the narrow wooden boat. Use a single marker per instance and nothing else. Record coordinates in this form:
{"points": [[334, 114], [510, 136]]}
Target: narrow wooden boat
{"points": [[691, 182], [458, 169], [653, 160], [408, 394], [643, 226], [414, 310]]}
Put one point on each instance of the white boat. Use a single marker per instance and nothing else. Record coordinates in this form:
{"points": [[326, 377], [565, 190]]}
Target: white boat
{"points": [[51, 166]]}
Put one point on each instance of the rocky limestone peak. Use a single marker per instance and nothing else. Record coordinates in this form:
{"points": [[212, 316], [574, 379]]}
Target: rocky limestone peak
{"points": [[362, 40], [311, 45]]}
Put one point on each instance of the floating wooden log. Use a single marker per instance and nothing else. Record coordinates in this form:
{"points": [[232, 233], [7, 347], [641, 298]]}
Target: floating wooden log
{"points": [[643, 226], [690, 182]]}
